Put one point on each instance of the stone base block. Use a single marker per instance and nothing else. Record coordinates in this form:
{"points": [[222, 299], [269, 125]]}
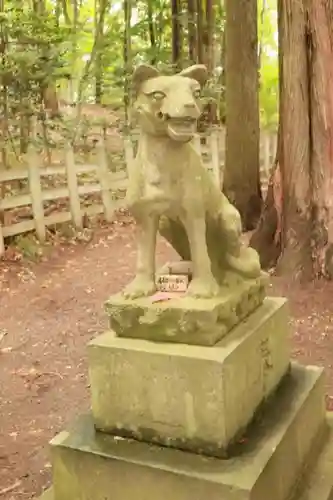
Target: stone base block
{"points": [[91, 465], [317, 484], [47, 495], [190, 397], [183, 319]]}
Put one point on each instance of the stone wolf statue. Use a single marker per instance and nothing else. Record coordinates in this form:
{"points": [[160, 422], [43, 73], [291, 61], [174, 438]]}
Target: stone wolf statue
{"points": [[171, 191]]}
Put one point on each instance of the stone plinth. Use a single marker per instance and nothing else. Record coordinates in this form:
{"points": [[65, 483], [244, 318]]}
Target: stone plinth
{"points": [[89, 465], [185, 396], [186, 320]]}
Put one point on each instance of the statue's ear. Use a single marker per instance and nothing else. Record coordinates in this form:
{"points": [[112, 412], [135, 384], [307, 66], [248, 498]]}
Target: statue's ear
{"points": [[197, 72], [142, 73]]}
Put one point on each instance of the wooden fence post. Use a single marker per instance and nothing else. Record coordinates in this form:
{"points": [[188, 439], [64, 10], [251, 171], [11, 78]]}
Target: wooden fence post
{"points": [[103, 177], [74, 198], [36, 192]]}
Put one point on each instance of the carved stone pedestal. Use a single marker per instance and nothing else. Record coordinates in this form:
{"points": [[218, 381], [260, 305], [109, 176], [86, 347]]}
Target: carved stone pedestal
{"points": [[184, 319], [186, 396], [172, 421]]}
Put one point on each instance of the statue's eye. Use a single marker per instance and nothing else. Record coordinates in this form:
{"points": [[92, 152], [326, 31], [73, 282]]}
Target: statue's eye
{"points": [[197, 93], [157, 95]]}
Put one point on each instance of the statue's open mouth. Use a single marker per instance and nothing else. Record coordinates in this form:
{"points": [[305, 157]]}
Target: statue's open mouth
{"points": [[181, 129]]}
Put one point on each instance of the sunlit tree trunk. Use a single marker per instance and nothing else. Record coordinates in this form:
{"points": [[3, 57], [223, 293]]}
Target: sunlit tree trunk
{"points": [[241, 180]]}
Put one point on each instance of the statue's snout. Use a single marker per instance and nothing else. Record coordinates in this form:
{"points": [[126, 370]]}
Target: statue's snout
{"points": [[185, 108]]}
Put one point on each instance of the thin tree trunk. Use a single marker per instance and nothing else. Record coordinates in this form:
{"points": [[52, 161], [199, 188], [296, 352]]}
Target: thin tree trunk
{"points": [[4, 92], [48, 90], [200, 33], [50, 99], [209, 55], [242, 181], [262, 20], [221, 103], [65, 12], [267, 238], [99, 32], [176, 35], [209, 35], [74, 81], [127, 56], [57, 13], [152, 37], [192, 35]]}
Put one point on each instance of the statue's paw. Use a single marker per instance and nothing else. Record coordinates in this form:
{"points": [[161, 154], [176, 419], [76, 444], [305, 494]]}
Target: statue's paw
{"points": [[247, 263], [139, 287], [203, 288]]}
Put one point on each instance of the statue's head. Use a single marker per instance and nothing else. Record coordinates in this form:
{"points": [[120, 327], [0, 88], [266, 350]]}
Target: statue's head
{"points": [[169, 105]]}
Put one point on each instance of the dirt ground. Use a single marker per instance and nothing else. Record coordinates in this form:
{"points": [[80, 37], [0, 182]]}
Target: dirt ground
{"points": [[48, 313]]}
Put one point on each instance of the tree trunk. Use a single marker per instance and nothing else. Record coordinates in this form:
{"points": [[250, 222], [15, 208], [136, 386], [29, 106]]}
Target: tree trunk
{"points": [[51, 102], [152, 36], [4, 96], [242, 181], [209, 35], [176, 35], [74, 81], [48, 90], [209, 56], [306, 128], [100, 10], [127, 47], [200, 33], [267, 237], [192, 35], [222, 36]]}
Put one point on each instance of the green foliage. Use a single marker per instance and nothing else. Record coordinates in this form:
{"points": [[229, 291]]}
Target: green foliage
{"points": [[269, 83], [269, 77], [77, 48], [32, 48]]}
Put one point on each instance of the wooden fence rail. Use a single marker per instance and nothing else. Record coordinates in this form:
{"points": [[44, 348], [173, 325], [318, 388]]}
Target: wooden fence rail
{"points": [[212, 149]]}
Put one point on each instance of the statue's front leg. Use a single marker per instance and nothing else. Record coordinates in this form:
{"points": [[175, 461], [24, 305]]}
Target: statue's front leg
{"points": [[203, 283], [144, 281]]}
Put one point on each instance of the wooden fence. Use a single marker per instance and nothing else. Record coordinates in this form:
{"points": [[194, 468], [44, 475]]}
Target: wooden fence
{"points": [[107, 183]]}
